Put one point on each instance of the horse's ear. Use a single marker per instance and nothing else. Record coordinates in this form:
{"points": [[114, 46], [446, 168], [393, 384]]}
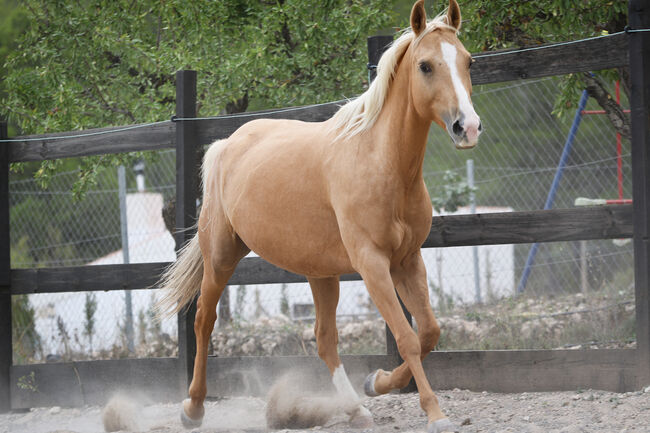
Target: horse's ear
{"points": [[453, 15], [418, 17]]}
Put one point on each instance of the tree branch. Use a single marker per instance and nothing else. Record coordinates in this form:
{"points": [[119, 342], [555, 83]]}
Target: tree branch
{"points": [[596, 90]]}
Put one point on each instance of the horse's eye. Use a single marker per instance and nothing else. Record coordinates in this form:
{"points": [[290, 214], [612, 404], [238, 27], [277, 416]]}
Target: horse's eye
{"points": [[425, 67], [471, 62]]}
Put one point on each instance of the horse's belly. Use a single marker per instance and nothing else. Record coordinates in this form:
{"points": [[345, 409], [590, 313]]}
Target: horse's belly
{"points": [[309, 247], [278, 205]]}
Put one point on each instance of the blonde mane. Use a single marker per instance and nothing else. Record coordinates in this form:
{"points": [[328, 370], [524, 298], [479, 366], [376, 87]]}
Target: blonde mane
{"points": [[361, 113]]}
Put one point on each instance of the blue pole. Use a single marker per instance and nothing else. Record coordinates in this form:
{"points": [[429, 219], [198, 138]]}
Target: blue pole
{"points": [[556, 182]]}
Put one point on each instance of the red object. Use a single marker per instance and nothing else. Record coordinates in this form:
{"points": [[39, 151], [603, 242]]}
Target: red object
{"points": [[619, 201], [619, 151], [619, 161]]}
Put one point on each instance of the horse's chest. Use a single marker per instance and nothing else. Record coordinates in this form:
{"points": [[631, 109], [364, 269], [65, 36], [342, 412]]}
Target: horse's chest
{"points": [[411, 230]]}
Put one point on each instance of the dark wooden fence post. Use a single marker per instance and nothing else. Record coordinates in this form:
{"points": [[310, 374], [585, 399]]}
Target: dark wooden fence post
{"points": [[186, 195], [639, 46], [6, 353], [376, 47]]}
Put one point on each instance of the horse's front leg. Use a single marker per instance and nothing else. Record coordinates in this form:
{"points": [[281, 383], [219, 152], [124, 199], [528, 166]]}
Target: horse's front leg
{"points": [[326, 298], [411, 284], [374, 267]]}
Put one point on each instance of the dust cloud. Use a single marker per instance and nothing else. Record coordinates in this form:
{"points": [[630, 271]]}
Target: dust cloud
{"points": [[290, 406]]}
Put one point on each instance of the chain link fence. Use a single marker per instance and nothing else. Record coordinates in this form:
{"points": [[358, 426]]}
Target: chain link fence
{"points": [[579, 294]]}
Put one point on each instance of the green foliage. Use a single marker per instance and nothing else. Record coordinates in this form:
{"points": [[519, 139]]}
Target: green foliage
{"points": [[64, 336], [90, 307], [26, 341], [13, 23], [28, 382], [453, 193], [284, 301], [94, 63], [497, 24], [38, 221]]}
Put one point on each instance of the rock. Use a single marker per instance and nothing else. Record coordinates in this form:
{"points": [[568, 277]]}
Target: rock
{"points": [[308, 334], [248, 347], [54, 410]]}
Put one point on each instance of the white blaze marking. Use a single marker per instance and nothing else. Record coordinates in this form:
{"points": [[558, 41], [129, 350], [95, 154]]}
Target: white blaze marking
{"points": [[464, 105]]}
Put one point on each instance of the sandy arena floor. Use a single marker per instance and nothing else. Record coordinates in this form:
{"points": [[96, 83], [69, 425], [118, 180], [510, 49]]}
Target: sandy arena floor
{"points": [[568, 412]]}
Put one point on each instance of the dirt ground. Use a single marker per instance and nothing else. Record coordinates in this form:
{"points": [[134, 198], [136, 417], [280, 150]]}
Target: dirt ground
{"points": [[568, 412]]}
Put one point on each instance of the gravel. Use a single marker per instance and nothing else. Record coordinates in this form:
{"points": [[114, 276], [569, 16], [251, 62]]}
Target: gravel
{"points": [[565, 412]]}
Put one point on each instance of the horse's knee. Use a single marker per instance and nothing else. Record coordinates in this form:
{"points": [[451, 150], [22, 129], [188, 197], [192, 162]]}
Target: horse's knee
{"points": [[408, 345], [429, 335]]}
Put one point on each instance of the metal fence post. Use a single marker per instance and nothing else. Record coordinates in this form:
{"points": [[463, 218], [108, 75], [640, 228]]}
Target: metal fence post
{"points": [[475, 258], [6, 354], [186, 190], [124, 229], [639, 54], [376, 47]]}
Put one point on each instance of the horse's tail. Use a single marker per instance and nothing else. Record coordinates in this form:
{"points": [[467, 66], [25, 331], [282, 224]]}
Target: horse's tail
{"points": [[181, 281]]}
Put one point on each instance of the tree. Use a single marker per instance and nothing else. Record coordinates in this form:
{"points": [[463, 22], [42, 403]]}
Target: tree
{"points": [[13, 23], [497, 24], [90, 63], [90, 307], [26, 340]]}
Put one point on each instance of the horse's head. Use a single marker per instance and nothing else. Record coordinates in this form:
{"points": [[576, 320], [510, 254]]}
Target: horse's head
{"points": [[441, 87]]}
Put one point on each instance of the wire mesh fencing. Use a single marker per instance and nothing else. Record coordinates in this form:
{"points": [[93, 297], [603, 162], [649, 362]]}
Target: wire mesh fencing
{"points": [[577, 294]]}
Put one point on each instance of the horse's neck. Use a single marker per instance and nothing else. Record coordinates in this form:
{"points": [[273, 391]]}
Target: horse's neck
{"points": [[400, 132]]}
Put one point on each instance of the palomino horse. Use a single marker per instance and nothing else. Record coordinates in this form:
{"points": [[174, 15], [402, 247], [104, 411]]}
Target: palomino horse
{"points": [[344, 195]]}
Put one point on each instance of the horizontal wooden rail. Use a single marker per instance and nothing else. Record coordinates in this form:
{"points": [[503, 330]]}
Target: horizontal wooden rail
{"points": [[589, 55], [152, 137], [93, 382], [558, 59], [222, 127], [574, 224], [584, 223]]}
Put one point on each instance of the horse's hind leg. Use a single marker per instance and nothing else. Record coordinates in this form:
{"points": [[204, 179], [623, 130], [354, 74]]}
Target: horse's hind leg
{"points": [[326, 298], [221, 250]]}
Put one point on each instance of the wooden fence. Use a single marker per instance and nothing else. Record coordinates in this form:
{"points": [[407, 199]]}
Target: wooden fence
{"points": [[91, 382]]}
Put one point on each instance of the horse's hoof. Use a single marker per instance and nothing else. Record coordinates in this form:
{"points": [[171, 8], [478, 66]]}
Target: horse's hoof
{"points": [[189, 423], [369, 385], [442, 426], [362, 419]]}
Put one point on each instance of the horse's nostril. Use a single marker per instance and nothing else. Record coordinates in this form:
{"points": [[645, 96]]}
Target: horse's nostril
{"points": [[480, 127], [458, 130]]}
